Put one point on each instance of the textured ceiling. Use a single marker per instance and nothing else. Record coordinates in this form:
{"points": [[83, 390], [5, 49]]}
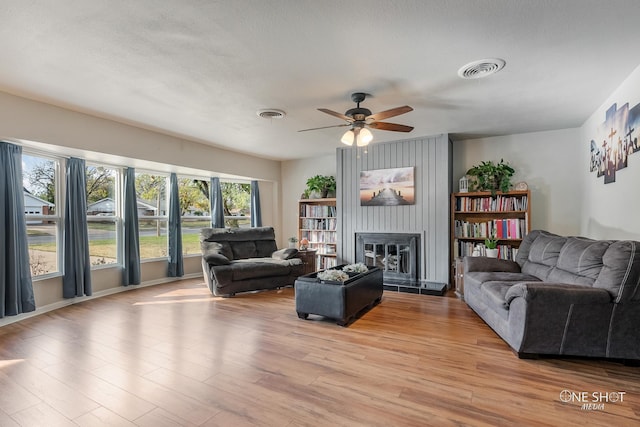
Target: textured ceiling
{"points": [[201, 69]]}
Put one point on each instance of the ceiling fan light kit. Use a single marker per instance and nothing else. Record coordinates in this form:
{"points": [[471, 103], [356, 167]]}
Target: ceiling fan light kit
{"points": [[347, 138], [361, 119]]}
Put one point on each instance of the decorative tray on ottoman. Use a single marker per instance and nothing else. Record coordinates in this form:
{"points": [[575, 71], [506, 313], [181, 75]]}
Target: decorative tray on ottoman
{"points": [[342, 301]]}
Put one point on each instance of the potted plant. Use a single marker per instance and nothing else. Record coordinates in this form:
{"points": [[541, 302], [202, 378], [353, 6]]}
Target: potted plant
{"points": [[490, 176], [292, 242], [321, 184], [491, 244]]}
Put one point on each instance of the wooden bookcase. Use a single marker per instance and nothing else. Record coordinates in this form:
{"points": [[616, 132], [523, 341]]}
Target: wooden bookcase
{"points": [[317, 222], [474, 216]]}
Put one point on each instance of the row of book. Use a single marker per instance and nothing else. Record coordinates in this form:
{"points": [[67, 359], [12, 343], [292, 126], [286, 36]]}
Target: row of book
{"points": [[463, 248], [323, 249], [319, 236], [316, 211], [318, 223], [506, 228], [326, 262], [491, 204]]}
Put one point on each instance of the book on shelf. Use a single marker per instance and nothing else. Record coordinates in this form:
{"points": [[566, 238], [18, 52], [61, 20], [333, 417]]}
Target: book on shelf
{"points": [[318, 223], [501, 228], [464, 248], [314, 236], [326, 262], [317, 211], [498, 203]]}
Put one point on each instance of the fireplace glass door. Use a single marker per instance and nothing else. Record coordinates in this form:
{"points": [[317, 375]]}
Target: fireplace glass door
{"points": [[394, 254]]}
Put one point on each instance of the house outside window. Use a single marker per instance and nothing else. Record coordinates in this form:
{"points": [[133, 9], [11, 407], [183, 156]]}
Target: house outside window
{"points": [[103, 214], [41, 181], [152, 196]]}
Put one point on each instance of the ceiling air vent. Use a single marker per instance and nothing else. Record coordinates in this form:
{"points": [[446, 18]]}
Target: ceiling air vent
{"points": [[271, 114], [481, 68]]}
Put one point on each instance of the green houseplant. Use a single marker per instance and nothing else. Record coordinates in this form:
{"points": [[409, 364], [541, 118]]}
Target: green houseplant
{"points": [[490, 176], [491, 242], [491, 245], [321, 184]]}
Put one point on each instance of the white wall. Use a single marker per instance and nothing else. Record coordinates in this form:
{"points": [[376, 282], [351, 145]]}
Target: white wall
{"points": [[551, 164], [294, 181], [611, 210]]}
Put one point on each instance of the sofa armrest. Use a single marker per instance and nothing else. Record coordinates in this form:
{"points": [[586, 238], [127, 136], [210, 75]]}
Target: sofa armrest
{"points": [[485, 264], [557, 294]]}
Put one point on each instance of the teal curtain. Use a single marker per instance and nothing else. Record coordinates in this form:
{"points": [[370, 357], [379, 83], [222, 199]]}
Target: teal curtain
{"points": [[16, 288], [176, 266], [217, 207], [76, 281], [256, 214], [131, 272]]}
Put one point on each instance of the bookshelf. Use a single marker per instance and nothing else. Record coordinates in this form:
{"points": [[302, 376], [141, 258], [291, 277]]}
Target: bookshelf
{"points": [[318, 223], [476, 216]]}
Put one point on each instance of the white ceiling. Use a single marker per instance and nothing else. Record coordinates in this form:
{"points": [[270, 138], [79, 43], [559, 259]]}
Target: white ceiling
{"points": [[201, 69]]}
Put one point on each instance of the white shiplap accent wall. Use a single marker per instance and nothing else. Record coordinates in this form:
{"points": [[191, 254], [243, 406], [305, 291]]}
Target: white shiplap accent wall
{"points": [[429, 216]]}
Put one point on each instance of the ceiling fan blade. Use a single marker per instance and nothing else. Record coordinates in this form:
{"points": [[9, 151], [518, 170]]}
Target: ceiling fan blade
{"points": [[326, 127], [390, 113], [391, 126], [335, 114]]}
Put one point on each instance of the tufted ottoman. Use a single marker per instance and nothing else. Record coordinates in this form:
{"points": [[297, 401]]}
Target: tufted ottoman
{"points": [[342, 301]]}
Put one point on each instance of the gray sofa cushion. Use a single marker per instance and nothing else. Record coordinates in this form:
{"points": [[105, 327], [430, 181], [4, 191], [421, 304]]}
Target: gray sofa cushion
{"points": [[244, 269], [495, 293], [210, 248], [265, 248], [621, 271], [244, 249], [581, 258], [287, 253], [543, 255], [215, 258]]}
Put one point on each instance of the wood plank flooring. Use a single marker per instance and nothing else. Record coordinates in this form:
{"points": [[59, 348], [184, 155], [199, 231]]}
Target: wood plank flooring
{"points": [[174, 355]]}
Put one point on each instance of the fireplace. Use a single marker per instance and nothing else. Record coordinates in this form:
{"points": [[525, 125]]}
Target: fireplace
{"points": [[396, 254]]}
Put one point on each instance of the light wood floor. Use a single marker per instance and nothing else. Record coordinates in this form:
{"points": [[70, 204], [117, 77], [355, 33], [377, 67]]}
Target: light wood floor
{"points": [[173, 355]]}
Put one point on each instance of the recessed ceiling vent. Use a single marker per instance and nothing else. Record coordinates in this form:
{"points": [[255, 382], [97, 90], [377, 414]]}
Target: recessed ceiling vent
{"points": [[270, 113], [481, 68]]}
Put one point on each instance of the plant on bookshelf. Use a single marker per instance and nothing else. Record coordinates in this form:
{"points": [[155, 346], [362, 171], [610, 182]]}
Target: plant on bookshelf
{"points": [[490, 176], [321, 184]]}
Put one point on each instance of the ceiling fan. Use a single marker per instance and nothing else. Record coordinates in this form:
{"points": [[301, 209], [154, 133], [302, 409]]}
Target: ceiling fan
{"points": [[360, 119]]}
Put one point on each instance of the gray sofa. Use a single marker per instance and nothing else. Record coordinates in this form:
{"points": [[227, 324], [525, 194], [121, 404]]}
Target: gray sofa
{"points": [[241, 260], [562, 296]]}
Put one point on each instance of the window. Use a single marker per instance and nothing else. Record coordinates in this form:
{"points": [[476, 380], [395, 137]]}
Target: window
{"points": [[195, 212], [236, 198], [151, 193], [103, 215], [42, 204]]}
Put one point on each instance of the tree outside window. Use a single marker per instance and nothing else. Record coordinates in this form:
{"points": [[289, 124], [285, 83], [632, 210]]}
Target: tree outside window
{"points": [[103, 216], [40, 179], [151, 193]]}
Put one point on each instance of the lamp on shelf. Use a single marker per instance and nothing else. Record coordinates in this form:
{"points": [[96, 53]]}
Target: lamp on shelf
{"points": [[463, 185], [304, 244]]}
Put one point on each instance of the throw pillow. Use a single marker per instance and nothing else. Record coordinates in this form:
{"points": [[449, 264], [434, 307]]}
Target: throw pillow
{"points": [[287, 253], [216, 259]]}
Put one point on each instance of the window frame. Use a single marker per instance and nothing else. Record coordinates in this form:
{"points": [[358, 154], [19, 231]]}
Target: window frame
{"points": [[117, 218], [164, 218], [57, 218]]}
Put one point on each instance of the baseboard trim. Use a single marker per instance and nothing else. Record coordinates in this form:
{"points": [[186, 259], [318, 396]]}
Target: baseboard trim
{"points": [[61, 304]]}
